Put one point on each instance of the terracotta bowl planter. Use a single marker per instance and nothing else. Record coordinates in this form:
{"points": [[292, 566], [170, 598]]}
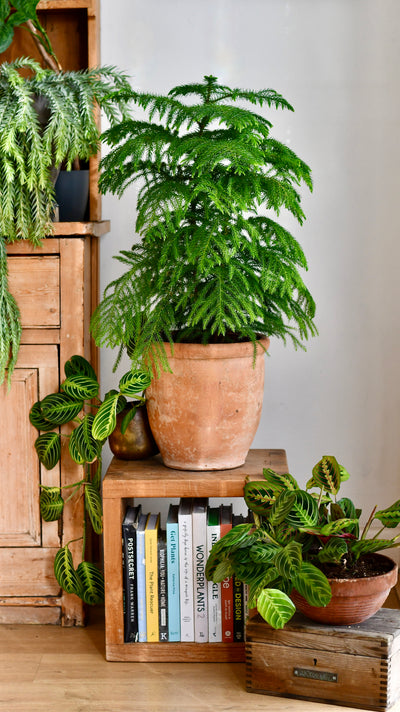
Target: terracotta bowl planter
{"points": [[137, 443], [204, 414], [353, 600]]}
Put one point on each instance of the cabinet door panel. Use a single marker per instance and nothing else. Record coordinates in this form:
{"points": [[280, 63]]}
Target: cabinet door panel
{"points": [[36, 375], [38, 298], [27, 572]]}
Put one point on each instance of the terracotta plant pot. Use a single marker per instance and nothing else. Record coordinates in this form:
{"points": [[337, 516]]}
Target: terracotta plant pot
{"points": [[137, 443], [353, 600], [204, 414]]}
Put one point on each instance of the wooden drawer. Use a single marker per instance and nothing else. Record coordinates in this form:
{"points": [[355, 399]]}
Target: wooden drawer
{"points": [[35, 283]]}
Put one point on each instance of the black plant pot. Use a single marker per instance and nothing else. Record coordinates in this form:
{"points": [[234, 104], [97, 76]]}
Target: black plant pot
{"points": [[72, 193]]}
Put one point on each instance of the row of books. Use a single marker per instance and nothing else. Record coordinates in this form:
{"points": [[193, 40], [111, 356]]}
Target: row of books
{"points": [[166, 594]]}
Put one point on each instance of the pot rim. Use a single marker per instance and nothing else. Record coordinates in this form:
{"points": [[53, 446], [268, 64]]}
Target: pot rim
{"points": [[367, 581], [242, 349]]}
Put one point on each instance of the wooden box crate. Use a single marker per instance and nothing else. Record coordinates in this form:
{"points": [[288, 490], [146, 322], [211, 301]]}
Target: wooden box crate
{"points": [[356, 666]]}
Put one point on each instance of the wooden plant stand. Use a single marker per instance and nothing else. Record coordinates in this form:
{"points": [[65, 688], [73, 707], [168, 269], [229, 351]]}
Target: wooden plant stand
{"points": [[125, 481]]}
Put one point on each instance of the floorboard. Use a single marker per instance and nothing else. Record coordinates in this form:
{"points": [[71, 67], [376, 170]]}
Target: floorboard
{"points": [[52, 669]]}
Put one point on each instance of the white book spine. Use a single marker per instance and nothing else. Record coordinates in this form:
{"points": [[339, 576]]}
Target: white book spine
{"points": [[186, 575], [214, 593], [199, 577]]}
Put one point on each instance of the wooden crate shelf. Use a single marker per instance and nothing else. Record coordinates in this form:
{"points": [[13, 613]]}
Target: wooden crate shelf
{"points": [[127, 480]]}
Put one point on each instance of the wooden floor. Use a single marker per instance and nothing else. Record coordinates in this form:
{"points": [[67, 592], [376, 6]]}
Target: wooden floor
{"points": [[52, 669]]}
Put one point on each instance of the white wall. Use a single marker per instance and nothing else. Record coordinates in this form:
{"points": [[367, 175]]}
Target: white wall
{"points": [[338, 63]]}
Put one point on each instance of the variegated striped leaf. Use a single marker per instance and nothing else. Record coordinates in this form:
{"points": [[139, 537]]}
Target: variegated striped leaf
{"points": [[79, 365], [134, 382], [65, 573], [38, 420], [337, 526], [277, 481], [389, 517], [304, 512], [333, 551], [105, 419], [94, 507], [281, 507], [232, 540], [369, 546], [313, 585], [262, 553], [288, 560], [92, 581], [48, 448], [326, 474], [82, 445], [258, 497], [275, 607], [51, 503], [78, 386], [59, 408]]}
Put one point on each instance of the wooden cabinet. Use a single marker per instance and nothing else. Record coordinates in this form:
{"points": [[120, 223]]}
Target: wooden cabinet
{"points": [[56, 289], [125, 481]]}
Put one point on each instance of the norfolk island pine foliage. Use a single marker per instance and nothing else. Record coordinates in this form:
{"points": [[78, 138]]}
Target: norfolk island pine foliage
{"points": [[212, 264]]}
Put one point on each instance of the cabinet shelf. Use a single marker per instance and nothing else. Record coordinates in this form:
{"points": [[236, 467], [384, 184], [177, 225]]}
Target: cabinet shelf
{"points": [[127, 480]]}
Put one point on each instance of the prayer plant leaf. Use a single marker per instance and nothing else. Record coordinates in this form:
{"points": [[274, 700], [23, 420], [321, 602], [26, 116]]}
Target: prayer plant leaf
{"points": [[51, 503], [48, 448], [105, 419], [92, 583], [65, 573], [275, 607], [94, 507]]}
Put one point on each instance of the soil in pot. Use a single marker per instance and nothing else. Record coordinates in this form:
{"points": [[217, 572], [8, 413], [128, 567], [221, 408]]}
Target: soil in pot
{"points": [[354, 599]]}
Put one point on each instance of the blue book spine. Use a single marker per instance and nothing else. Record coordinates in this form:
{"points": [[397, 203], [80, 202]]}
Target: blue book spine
{"points": [[174, 615], [141, 587]]}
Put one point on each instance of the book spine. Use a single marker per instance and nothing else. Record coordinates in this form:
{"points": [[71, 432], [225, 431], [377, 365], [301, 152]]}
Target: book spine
{"points": [[131, 631], [186, 577], [214, 592], [227, 598], [174, 612], [238, 610], [162, 590], [150, 540], [141, 586], [199, 577]]}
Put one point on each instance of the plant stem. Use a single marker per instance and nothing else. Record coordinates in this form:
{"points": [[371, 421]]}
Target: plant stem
{"points": [[50, 59], [368, 524]]}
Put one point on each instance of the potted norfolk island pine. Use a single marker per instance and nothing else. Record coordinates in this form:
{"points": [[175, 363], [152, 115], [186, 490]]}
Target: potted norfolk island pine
{"points": [[306, 549], [214, 275], [47, 118]]}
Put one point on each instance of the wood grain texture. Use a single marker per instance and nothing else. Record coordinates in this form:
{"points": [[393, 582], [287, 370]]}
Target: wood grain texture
{"points": [[53, 669], [353, 665], [38, 297]]}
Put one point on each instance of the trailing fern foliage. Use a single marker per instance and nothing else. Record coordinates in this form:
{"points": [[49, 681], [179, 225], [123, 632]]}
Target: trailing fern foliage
{"points": [[46, 119], [10, 324], [213, 264], [30, 149]]}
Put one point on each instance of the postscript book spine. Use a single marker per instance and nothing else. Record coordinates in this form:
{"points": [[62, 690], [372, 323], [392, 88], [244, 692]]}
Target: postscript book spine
{"points": [[129, 526]]}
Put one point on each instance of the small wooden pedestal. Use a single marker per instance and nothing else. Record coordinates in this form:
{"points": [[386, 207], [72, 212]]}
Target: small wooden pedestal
{"points": [[356, 666]]}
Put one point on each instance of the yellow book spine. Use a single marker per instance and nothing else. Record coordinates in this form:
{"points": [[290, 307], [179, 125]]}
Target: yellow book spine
{"points": [[150, 542]]}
